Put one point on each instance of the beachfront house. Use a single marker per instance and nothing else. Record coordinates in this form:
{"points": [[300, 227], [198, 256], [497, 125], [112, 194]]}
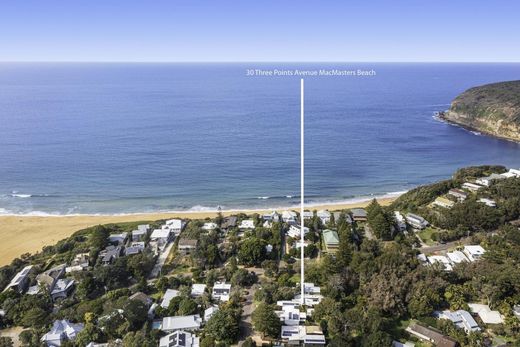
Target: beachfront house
{"points": [[221, 291], [175, 226], [179, 338], [431, 335], [62, 330], [294, 231], [187, 246], [489, 180], [458, 194], [289, 217], [488, 202], [62, 288], [176, 323], [247, 224], [79, 263], [330, 241], [324, 216], [135, 248], [140, 233], [20, 281], [457, 257], [472, 187], [161, 236], [118, 239], [359, 214], [168, 296], [400, 221], [307, 215], [416, 221], [110, 254], [49, 278], [208, 226], [443, 202], [512, 173], [229, 223], [271, 217], [474, 252], [462, 319], [198, 289]]}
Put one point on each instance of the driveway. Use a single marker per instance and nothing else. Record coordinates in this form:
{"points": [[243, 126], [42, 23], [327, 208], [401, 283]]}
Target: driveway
{"points": [[160, 261]]}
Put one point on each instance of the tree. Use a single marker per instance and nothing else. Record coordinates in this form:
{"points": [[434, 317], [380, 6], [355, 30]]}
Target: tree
{"points": [[224, 325], [6, 341], [252, 251], [138, 339], [379, 220], [89, 334], [187, 306], [242, 277], [266, 321]]}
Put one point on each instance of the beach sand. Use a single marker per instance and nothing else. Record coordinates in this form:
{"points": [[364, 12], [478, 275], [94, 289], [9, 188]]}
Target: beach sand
{"points": [[28, 234]]}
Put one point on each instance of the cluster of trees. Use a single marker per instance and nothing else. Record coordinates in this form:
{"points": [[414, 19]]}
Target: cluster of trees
{"points": [[380, 221]]}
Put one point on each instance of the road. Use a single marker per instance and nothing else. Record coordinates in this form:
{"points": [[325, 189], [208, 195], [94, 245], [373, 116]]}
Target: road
{"points": [[161, 260], [246, 327], [446, 246]]}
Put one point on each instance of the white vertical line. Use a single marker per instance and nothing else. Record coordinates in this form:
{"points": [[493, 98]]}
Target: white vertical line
{"points": [[302, 193]]}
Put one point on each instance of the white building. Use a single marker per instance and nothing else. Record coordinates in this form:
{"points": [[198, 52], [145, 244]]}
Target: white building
{"points": [[443, 202], [487, 181], [175, 225], [416, 221], [61, 330], [462, 319], [62, 288], [459, 194], [209, 312], [324, 216], [457, 257], [474, 252], [299, 334], [140, 233], [179, 338], [487, 315], [168, 296], [307, 215], [488, 202], [80, 263], [118, 238], [161, 236], [190, 323], [221, 291], [400, 221], [310, 288], [209, 226], [441, 260], [198, 289], [247, 224], [291, 315], [511, 173], [20, 280], [472, 186], [289, 217], [294, 231]]}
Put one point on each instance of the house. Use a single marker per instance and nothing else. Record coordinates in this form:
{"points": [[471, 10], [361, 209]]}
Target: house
{"points": [[511, 173], [310, 288], [400, 221], [161, 236], [119, 239], [488, 202], [186, 246], [267, 224], [310, 299], [359, 214], [271, 217], [307, 215], [431, 335], [198, 289], [489, 180], [209, 312], [221, 291], [109, 254], [459, 194], [516, 311], [294, 231], [457, 257], [142, 297], [313, 336], [62, 330], [209, 226], [440, 259], [330, 241], [175, 226], [179, 338], [79, 263], [472, 187], [229, 223], [62, 288], [443, 202], [190, 323], [20, 281], [400, 344], [289, 217], [247, 224], [324, 216], [487, 315], [168, 296], [140, 233], [422, 258], [268, 248], [462, 319], [416, 221], [291, 315], [474, 252], [51, 276], [135, 248], [295, 335]]}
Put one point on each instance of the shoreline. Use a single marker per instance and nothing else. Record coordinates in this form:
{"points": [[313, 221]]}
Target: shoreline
{"points": [[30, 233]]}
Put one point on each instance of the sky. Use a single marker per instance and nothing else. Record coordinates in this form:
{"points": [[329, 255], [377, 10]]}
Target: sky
{"points": [[260, 31]]}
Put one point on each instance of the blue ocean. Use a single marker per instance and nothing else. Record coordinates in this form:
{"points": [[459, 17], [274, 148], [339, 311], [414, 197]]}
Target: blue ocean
{"points": [[126, 138]]}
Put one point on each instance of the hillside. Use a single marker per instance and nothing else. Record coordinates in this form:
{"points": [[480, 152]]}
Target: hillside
{"points": [[493, 109]]}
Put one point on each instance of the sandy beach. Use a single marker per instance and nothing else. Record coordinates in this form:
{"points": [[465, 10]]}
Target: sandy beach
{"points": [[28, 234]]}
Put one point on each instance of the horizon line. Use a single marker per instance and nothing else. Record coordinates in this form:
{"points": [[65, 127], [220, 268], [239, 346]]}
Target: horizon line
{"points": [[246, 62]]}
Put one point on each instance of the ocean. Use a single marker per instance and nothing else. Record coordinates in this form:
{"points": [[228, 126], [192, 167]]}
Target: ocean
{"points": [[92, 138]]}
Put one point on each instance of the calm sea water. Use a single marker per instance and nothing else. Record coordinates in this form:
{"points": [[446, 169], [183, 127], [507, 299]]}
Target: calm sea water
{"points": [[123, 138]]}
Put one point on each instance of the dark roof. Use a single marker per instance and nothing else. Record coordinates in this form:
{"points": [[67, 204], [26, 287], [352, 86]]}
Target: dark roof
{"points": [[187, 243], [230, 222], [437, 337]]}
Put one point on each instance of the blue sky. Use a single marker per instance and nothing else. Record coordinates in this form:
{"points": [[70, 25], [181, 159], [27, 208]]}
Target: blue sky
{"points": [[267, 30]]}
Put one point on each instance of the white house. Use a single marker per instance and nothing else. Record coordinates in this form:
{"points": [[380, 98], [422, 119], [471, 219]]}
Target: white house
{"points": [[400, 221], [416, 221], [459, 194], [198, 289], [487, 315], [457, 257], [443, 202], [324, 216], [487, 181], [118, 238], [221, 291], [488, 202], [271, 217], [168, 296], [247, 224], [61, 330], [161, 236], [294, 231], [462, 319], [441, 260], [289, 217], [310, 288], [179, 338], [140, 233], [175, 225], [474, 252], [307, 215], [209, 226], [190, 323], [472, 187], [79, 263], [511, 173], [20, 280], [62, 288], [291, 315], [209, 312]]}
